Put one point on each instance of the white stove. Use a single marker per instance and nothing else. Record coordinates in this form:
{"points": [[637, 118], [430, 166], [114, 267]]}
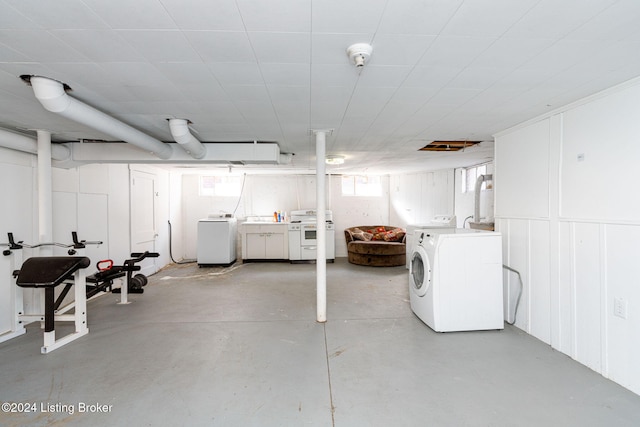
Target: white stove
{"points": [[302, 235]]}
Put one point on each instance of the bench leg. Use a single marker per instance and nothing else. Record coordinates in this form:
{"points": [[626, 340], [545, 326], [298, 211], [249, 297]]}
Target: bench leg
{"points": [[79, 316]]}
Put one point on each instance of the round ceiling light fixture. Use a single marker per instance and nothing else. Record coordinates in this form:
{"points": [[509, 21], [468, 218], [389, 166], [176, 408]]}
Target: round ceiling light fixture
{"points": [[333, 159], [359, 53]]}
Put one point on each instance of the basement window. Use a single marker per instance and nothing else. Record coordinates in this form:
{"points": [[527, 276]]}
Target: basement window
{"points": [[361, 185], [470, 176], [221, 186]]}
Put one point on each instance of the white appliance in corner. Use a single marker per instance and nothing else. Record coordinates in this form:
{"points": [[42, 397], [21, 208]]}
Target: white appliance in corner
{"points": [[441, 222], [302, 236], [455, 279], [217, 241]]}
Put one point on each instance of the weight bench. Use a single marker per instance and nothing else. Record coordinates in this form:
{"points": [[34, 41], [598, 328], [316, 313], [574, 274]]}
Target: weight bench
{"points": [[47, 273]]}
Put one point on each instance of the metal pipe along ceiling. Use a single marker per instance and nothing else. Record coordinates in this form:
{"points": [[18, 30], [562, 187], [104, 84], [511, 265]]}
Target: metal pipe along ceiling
{"points": [[27, 144], [476, 207], [52, 96], [182, 135]]}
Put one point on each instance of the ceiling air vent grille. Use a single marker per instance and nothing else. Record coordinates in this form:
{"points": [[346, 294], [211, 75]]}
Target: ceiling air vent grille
{"points": [[448, 145]]}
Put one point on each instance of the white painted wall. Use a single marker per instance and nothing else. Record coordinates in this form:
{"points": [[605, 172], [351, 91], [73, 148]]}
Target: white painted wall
{"points": [[570, 217], [417, 198], [264, 194], [465, 201], [16, 216]]}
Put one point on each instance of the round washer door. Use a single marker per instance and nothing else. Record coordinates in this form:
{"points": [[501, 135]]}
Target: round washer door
{"points": [[420, 272]]}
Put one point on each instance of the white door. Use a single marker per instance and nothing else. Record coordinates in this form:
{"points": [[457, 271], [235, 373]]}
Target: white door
{"points": [[143, 217]]}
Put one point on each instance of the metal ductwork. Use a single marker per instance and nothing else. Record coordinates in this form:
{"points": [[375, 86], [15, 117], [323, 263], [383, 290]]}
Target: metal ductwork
{"points": [[182, 135], [27, 144], [479, 181], [52, 96]]}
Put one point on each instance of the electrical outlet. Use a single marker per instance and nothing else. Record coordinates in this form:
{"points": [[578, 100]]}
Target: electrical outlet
{"points": [[620, 307]]}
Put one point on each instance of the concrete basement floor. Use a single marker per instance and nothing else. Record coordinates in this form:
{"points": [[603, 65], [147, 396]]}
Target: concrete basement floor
{"points": [[240, 347]]}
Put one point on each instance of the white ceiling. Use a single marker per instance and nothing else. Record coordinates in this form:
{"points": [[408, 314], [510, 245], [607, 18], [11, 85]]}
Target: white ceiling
{"points": [[243, 70]]}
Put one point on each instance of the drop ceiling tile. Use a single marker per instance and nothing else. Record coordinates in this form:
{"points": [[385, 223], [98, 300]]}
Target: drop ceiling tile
{"points": [[40, 47], [165, 93], [12, 19], [78, 74], [359, 16], [383, 76], [333, 75], [368, 97], [292, 113], [617, 22], [478, 18], [339, 95], [522, 79], [134, 74], [281, 47], [139, 14], [215, 111], [411, 17], [209, 15], [291, 16], [248, 93], [161, 46], [66, 14], [431, 77], [236, 73], [399, 49], [256, 111], [562, 55], [556, 19], [99, 45], [326, 116], [11, 55], [203, 92], [408, 95], [613, 56], [298, 95], [286, 74], [476, 78], [221, 46], [456, 51], [191, 73], [509, 53]]}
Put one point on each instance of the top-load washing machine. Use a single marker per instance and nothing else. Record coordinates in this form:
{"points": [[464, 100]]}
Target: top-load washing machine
{"points": [[440, 222], [455, 279]]}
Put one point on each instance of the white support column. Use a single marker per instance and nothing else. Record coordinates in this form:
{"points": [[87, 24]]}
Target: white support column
{"points": [[45, 192], [45, 207], [321, 230]]}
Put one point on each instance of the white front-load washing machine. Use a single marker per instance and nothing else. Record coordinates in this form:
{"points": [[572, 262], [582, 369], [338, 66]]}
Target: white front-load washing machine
{"points": [[455, 279], [440, 222]]}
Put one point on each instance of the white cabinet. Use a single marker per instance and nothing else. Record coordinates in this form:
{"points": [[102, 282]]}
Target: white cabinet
{"points": [[265, 241]]}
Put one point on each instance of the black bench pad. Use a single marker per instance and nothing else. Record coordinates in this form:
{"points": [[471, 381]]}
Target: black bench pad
{"points": [[43, 272]]}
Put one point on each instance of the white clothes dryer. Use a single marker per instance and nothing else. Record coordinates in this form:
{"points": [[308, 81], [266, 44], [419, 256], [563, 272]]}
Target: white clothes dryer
{"points": [[455, 279], [440, 222]]}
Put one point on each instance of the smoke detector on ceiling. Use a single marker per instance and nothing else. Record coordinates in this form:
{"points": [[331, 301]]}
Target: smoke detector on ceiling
{"points": [[359, 53]]}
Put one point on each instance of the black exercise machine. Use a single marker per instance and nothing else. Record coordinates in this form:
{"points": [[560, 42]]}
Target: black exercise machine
{"points": [[102, 280], [48, 272]]}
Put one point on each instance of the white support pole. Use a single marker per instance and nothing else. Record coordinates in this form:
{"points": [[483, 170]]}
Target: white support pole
{"points": [[45, 192], [45, 204], [321, 231]]}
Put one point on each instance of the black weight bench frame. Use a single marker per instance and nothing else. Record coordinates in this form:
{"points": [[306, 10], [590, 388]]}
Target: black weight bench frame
{"points": [[47, 273]]}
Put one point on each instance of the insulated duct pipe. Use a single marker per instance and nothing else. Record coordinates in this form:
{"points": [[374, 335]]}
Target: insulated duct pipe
{"points": [[27, 144], [182, 135], [476, 208], [53, 97]]}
